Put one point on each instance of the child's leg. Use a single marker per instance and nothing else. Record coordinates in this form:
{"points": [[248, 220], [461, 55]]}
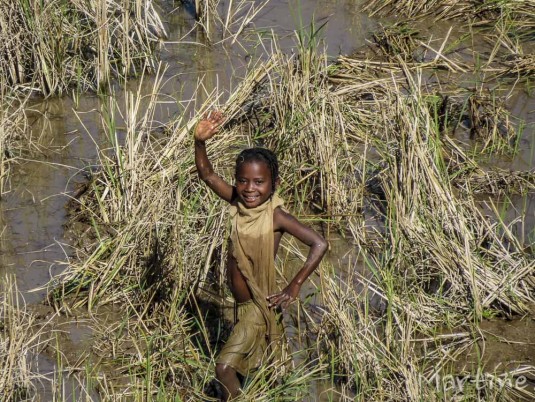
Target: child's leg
{"points": [[229, 380]]}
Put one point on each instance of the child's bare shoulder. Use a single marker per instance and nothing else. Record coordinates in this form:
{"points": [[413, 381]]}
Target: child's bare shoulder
{"points": [[282, 218], [285, 222]]}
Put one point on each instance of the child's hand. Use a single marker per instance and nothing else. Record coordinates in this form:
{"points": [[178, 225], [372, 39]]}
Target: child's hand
{"points": [[284, 298], [209, 125]]}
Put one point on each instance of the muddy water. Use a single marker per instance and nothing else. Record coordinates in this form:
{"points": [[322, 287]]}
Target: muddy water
{"points": [[65, 131]]}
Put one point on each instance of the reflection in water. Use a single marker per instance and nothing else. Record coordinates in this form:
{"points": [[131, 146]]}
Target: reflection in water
{"points": [[33, 211]]}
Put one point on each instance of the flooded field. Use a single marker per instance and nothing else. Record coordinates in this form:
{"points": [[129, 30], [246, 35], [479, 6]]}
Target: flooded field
{"points": [[407, 140]]}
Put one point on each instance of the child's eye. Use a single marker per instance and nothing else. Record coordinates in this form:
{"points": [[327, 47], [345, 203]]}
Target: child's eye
{"points": [[259, 181]]}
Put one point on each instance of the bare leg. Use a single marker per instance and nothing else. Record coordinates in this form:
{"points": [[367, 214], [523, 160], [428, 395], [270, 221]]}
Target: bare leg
{"points": [[229, 380]]}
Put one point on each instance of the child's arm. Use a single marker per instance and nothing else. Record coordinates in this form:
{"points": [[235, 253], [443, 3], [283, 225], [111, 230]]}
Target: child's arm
{"points": [[206, 129], [285, 222]]}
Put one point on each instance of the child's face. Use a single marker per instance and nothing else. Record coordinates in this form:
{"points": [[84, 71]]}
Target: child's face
{"points": [[253, 183]]}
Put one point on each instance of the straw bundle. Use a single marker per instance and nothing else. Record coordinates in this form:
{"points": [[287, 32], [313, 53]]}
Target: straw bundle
{"points": [[53, 45]]}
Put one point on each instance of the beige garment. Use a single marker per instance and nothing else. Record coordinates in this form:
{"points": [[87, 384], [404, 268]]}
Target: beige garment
{"points": [[246, 346], [253, 248]]}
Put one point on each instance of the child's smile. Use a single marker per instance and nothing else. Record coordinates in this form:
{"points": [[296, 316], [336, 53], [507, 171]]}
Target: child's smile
{"points": [[253, 183]]}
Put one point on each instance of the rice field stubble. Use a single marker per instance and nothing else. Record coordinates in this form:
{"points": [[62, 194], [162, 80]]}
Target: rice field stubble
{"points": [[359, 132], [21, 339], [51, 46]]}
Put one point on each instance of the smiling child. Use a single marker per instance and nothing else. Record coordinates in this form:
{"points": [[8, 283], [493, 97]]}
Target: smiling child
{"points": [[258, 224]]}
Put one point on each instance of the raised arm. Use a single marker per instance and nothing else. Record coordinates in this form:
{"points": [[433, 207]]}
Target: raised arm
{"points": [[286, 223], [206, 129]]}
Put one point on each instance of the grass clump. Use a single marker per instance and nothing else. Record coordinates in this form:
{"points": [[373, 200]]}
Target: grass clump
{"points": [[152, 355], [148, 219], [18, 345], [222, 21], [495, 181], [13, 125], [518, 14], [53, 45], [397, 40]]}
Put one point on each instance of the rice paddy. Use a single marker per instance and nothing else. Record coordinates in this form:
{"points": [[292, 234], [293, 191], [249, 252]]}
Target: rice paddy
{"points": [[406, 154]]}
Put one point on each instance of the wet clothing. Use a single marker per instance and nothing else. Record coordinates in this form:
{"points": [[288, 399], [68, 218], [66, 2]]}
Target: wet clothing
{"points": [[246, 346], [253, 248]]}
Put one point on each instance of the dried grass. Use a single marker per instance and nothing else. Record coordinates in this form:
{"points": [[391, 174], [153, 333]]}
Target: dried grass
{"points": [[53, 45], [13, 125], [19, 342], [496, 182], [486, 12], [222, 21], [439, 262]]}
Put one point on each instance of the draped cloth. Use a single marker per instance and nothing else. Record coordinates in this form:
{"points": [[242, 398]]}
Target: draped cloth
{"points": [[246, 347], [253, 248]]}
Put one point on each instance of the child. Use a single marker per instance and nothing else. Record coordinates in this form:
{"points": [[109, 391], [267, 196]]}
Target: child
{"points": [[258, 224]]}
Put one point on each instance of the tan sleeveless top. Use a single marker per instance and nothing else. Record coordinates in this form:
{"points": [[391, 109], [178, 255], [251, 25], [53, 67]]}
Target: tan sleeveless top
{"points": [[253, 248]]}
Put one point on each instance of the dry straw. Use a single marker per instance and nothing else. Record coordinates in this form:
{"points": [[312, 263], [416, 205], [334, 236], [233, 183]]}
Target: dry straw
{"points": [[485, 12], [13, 128], [19, 344], [222, 21], [53, 45]]}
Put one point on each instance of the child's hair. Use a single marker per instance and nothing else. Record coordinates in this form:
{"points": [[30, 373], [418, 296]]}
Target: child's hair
{"points": [[260, 155]]}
